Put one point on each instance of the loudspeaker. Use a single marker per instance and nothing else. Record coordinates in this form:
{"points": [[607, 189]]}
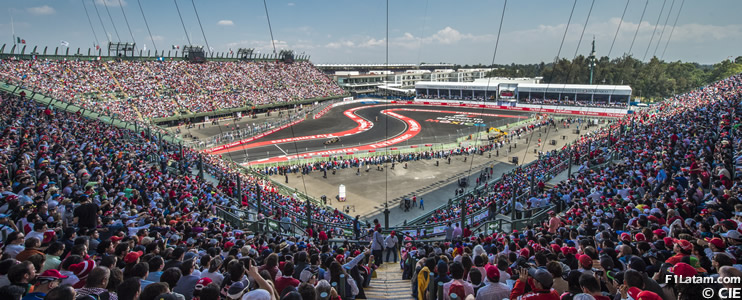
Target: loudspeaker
{"points": [[197, 57], [553, 142], [515, 160]]}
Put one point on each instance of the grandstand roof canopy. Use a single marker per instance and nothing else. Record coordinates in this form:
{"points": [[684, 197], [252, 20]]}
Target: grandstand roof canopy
{"points": [[575, 88], [363, 65], [528, 86]]}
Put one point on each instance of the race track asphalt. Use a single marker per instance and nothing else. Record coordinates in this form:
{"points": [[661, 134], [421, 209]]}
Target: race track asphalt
{"points": [[386, 127]]}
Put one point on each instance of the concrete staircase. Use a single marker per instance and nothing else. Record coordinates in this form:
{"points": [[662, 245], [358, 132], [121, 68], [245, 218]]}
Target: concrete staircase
{"points": [[388, 284]]}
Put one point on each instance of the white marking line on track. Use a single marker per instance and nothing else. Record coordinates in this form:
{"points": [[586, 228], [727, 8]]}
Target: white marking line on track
{"points": [[279, 148]]}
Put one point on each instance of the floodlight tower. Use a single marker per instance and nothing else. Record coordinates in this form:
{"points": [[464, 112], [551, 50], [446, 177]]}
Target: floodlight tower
{"points": [[591, 60]]}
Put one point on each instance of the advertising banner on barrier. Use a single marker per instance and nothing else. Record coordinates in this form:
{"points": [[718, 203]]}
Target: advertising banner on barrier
{"points": [[584, 111], [237, 143]]}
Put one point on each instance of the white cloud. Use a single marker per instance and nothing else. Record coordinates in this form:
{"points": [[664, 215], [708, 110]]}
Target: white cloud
{"points": [[42, 10], [340, 44], [291, 4], [703, 32], [110, 2], [445, 36], [372, 42], [449, 35], [158, 37], [225, 23]]}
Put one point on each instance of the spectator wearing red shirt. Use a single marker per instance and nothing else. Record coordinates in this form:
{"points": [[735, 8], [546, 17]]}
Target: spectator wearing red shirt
{"points": [[322, 236], [681, 248], [540, 281], [467, 232], [286, 279]]}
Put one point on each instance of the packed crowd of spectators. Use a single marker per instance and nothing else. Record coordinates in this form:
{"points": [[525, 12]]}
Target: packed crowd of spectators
{"points": [[603, 103], [646, 226], [162, 89], [91, 209]]}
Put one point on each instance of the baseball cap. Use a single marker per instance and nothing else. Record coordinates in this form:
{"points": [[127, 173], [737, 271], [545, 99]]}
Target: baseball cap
{"points": [[525, 252], [732, 234], [585, 261], [685, 245], [132, 257], [50, 275], [203, 282], [634, 292], [639, 237], [542, 276], [647, 295], [259, 294], [717, 242], [683, 270], [493, 274], [613, 275], [235, 290], [48, 236]]}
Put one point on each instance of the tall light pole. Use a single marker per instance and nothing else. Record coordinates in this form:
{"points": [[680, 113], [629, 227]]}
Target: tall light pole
{"points": [[591, 58]]}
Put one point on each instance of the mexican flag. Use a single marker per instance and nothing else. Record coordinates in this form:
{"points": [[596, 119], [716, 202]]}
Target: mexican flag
{"points": [[20, 40]]}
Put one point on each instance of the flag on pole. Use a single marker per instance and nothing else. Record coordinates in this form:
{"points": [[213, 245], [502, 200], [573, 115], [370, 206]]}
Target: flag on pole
{"points": [[176, 47], [21, 41], [65, 43]]}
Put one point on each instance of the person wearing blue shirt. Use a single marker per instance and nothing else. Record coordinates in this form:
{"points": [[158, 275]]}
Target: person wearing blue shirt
{"points": [[156, 265]]}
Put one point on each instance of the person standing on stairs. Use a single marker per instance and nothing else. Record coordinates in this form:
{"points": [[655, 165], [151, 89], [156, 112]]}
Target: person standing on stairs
{"points": [[390, 244], [377, 246]]}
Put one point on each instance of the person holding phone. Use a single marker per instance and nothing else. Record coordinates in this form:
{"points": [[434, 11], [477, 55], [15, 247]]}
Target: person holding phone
{"points": [[539, 280]]}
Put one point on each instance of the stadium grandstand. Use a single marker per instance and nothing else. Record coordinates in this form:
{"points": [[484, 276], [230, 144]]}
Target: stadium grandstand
{"points": [[159, 89], [100, 200], [162, 209], [527, 92]]}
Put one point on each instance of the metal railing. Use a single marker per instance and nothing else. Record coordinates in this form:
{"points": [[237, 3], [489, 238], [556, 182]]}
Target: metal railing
{"points": [[19, 51], [239, 134], [480, 189]]}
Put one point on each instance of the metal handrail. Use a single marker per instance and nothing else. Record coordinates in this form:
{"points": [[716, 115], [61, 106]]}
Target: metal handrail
{"points": [[526, 192]]}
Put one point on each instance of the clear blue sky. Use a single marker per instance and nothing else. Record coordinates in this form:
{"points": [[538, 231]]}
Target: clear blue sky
{"points": [[333, 31]]}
